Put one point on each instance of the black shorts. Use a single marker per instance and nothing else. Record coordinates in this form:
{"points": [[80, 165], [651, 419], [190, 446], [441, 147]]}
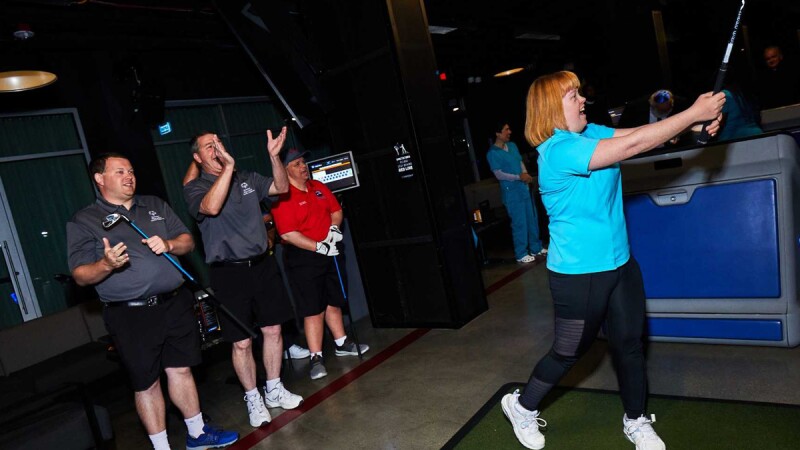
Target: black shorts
{"points": [[314, 280], [255, 295], [150, 338]]}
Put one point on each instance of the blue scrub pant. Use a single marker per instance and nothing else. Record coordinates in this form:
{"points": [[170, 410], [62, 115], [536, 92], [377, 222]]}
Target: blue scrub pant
{"points": [[524, 224]]}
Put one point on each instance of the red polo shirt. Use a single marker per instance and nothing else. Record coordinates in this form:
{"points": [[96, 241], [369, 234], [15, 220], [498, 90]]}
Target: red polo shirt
{"points": [[307, 212]]}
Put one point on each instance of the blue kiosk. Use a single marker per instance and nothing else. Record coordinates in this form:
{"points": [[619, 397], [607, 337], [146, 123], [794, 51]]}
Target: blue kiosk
{"points": [[716, 231]]}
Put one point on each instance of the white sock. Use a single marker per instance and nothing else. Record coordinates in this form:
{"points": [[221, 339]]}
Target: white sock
{"points": [[253, 393], [160, 441], [272, 384], [313, 354], [341, 340], [195, 425]]}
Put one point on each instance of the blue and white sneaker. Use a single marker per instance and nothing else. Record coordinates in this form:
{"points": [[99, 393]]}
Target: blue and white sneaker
{"points": [[211, 438]]}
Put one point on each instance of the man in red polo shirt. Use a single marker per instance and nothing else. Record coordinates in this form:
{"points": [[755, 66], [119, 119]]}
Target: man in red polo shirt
{"points": [[308, 219]]}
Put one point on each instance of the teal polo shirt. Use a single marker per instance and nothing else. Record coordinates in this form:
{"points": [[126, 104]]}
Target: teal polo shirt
{"points": [[587, 223]]}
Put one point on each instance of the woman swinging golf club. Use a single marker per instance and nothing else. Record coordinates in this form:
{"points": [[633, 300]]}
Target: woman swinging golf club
{"points": [[593, 277]]}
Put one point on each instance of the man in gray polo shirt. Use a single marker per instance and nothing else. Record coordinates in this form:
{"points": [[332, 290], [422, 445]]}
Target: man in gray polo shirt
{"points": [[148, 312], [226, 204]]}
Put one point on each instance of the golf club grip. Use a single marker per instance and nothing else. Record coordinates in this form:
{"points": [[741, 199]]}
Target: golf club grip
{"points": [[228, 312], [723, 70]]}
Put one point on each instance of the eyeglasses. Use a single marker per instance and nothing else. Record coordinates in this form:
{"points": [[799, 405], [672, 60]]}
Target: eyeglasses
{"points": [[662, 96]]}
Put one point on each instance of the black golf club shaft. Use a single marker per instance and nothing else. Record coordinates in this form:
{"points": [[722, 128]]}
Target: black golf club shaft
{"points": [[723, 70]]}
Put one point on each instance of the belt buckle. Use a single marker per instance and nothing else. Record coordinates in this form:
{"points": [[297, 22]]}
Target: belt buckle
{"points": [[152, 300]]}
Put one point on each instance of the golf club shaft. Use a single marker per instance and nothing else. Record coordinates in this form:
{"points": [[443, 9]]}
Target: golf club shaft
{"points": [[211, 296], [723, 70], [166, 255], [349, 313]]}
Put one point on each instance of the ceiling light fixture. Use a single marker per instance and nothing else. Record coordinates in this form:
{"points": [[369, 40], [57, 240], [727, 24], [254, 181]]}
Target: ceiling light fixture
{"points": [[534, 36], [25, 80], [23, 32], [436, 29], [508, 72]]}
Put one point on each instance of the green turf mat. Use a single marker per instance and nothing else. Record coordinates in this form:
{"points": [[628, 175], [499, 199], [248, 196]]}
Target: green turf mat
{"points": [[591, 419]]}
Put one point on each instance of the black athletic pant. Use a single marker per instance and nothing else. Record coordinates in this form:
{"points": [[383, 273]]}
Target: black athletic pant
{"points": [[582, 302]]}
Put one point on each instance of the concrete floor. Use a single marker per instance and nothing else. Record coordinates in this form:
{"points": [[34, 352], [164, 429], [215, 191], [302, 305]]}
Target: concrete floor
{"points": [[420, 396]]}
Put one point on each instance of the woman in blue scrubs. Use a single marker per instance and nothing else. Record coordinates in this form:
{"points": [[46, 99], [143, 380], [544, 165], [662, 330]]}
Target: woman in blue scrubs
{"points": [[593, 278], [506, 164]]}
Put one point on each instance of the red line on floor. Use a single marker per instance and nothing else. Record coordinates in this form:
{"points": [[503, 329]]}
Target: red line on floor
{"points": [[318, 397], [509, 278]]}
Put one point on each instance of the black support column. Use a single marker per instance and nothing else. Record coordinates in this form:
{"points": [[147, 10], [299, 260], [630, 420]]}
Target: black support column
{"points": [[412, 234]]}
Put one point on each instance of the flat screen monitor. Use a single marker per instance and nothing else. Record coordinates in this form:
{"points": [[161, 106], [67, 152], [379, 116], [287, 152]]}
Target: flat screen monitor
{"points": [[338, 172]]}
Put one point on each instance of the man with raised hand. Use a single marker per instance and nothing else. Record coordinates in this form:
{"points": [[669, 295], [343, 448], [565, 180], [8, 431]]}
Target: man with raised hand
{"points": [[226, 204]]}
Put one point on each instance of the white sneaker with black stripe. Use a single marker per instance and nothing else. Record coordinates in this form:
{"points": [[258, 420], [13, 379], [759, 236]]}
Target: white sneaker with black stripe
{"points": [[280, 397]]}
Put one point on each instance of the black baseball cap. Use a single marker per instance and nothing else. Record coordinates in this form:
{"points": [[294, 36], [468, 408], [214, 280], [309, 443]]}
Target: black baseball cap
{"points": [[293, 154]]}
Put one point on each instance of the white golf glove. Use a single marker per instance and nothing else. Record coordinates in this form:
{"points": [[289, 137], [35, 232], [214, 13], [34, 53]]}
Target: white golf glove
{"points": [[324, 248], [334, 235]]}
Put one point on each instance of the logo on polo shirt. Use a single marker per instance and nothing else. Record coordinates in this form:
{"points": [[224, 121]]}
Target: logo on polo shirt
{"points": [[246, 189], [318, 194], [154, 217]]}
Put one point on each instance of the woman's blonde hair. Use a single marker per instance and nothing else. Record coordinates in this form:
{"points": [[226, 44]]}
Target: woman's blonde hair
{"points": [[545, 112]]}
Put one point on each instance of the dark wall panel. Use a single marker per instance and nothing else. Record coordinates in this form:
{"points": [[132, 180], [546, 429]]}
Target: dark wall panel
{"points": [[412, 235]]}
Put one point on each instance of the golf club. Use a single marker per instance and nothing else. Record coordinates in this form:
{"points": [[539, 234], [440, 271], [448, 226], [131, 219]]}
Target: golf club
{"points": [[114, 218], [723, 70], [349, 313]]}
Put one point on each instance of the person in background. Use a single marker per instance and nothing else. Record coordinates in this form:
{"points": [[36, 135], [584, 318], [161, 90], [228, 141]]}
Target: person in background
{"points": [[739, 118], [779, 80], [308, 219], [288, 328], [148, 311], [506, 163], [658, 106], [226, 204], [593, 277]]}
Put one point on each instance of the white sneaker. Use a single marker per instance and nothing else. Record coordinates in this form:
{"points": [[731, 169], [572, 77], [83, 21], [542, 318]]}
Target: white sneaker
{"points": [[281, 398], [526, 259], [641, 433], [296, 352], [526, 423], [258, 412]]}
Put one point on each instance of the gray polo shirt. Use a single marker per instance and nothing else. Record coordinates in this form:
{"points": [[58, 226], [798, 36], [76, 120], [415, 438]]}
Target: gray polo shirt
{"points": [[238, 231], [146, 273]]}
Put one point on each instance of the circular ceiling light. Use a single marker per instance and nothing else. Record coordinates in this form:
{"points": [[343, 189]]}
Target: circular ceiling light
{"points": [[25, 80], [508, 72]]}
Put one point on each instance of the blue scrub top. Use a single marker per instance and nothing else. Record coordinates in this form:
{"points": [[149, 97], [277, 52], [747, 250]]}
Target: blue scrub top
{"points": [[587, 223], [507, 161]]}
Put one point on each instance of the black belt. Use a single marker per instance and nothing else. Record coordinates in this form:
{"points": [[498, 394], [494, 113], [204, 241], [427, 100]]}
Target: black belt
{"points": [[241, 262], [153, 300]]}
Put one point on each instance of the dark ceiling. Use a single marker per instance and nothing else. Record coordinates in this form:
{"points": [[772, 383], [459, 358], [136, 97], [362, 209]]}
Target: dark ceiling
{"points": [[612, 41]]}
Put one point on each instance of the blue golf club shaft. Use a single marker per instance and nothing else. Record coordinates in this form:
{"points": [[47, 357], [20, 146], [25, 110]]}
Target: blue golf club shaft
{"points": [[177, 265]]}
